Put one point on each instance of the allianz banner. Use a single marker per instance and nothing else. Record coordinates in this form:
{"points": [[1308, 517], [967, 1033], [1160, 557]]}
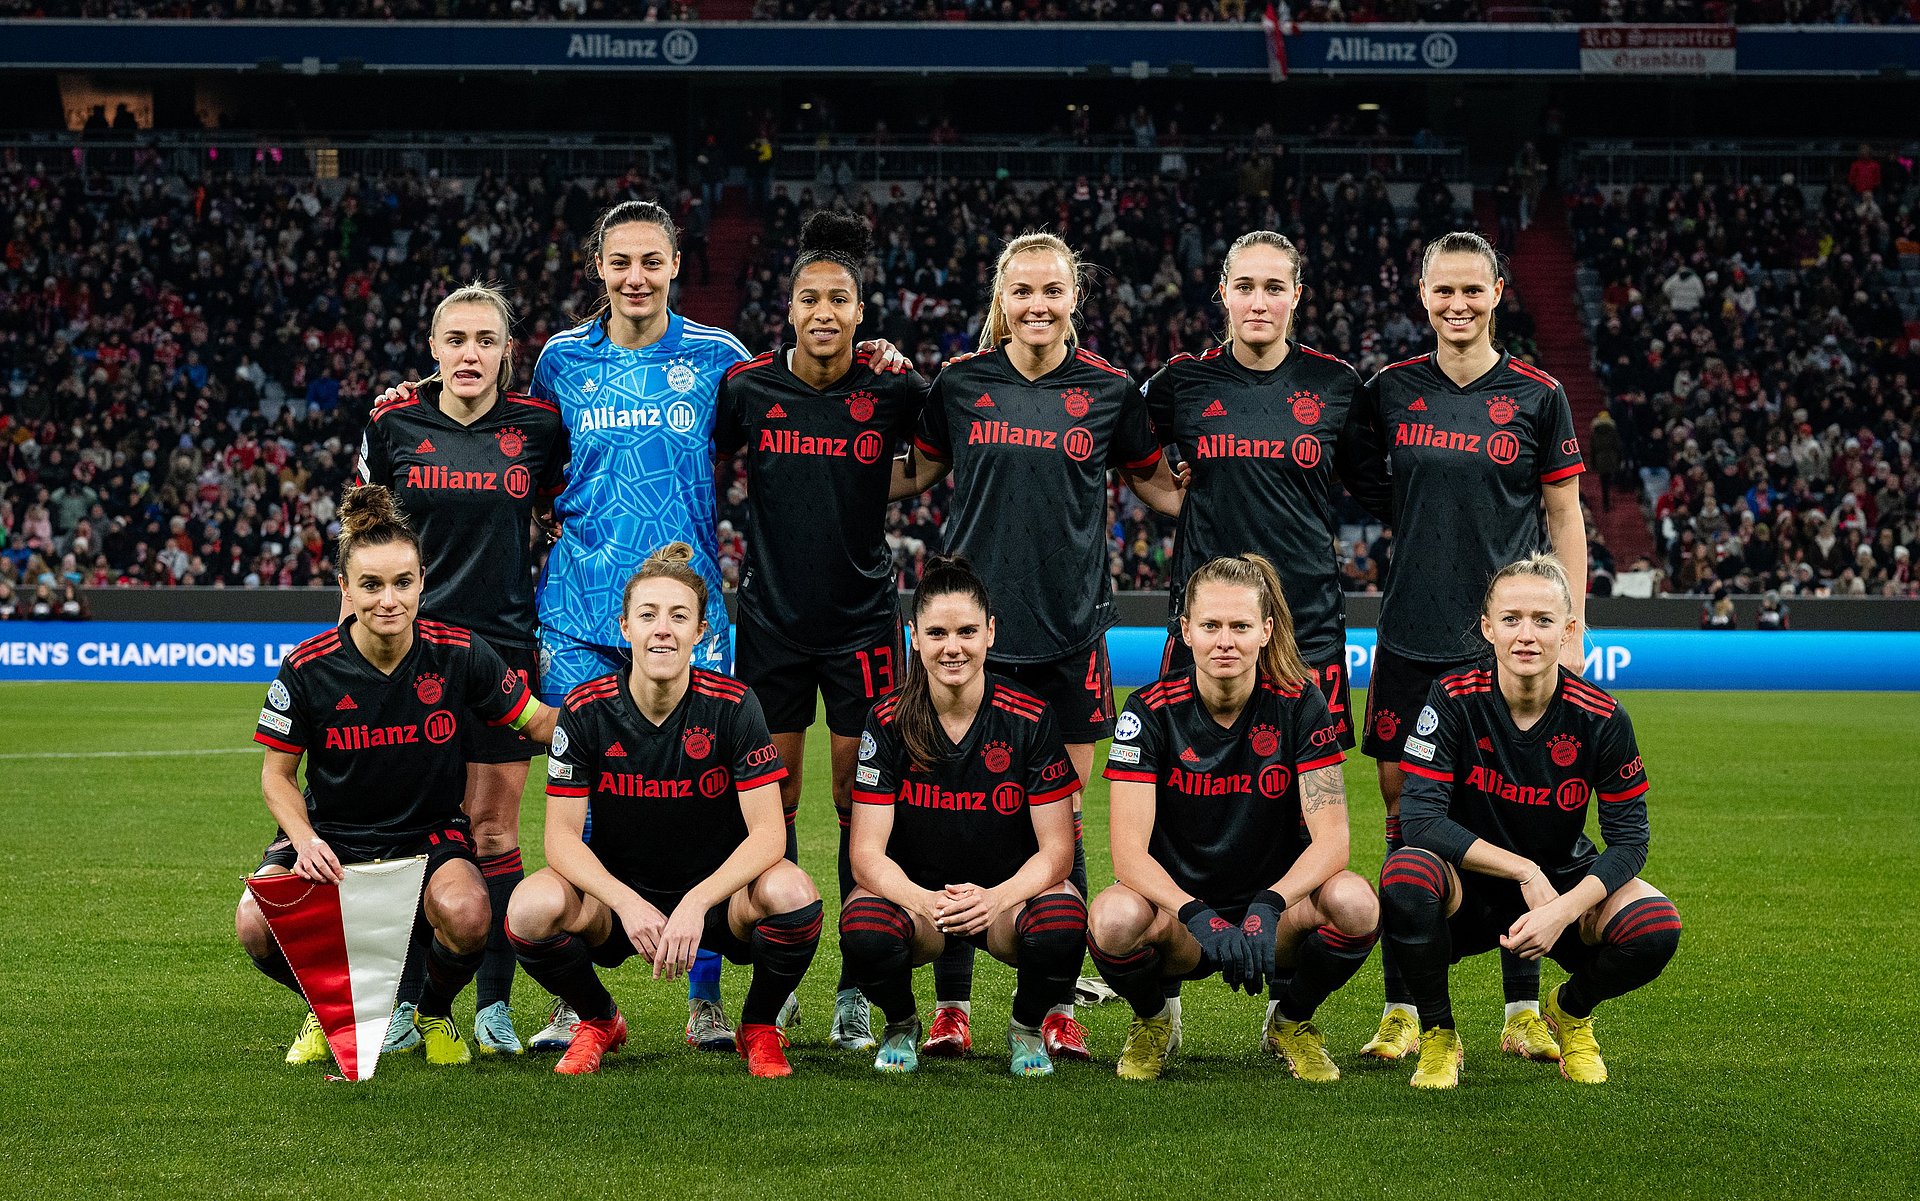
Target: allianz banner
{"points": [[1657, 49]]}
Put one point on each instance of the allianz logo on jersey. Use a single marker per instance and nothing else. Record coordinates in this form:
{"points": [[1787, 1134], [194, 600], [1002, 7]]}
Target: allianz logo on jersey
{"points": [[680, 416]]}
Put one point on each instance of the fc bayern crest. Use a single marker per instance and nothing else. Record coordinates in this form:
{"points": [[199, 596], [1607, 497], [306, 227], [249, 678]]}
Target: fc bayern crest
{"points": [[998, 757], [1500, 409], [1078, 401], [1265, 740], [1306, 407], [860, 406], [1564, 749], [682, 378], [698, 743], [512, 442], [429, 689]]}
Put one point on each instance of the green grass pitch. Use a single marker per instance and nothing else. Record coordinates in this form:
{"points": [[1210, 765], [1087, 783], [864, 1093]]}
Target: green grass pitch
{"points": [[140, 1054]]}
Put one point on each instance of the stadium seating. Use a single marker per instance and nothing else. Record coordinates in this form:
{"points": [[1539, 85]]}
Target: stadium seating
{"points": [[1759, 345]]}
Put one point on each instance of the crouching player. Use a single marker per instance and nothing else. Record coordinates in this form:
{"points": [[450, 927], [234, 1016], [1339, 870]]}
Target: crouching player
{"points": [[377, 706], [1230, 831], [1500, 768], [687, 837], [958, 833]]}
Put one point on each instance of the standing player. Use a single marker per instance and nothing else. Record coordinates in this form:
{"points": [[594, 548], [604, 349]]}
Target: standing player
{"points": [[1501, 769], [470, 462], [1030, 424], [818, 605], [638, 386], [959, 836], [1261, 423], [1230, 831], [685, 850], [376, 706], [1477, 441]]}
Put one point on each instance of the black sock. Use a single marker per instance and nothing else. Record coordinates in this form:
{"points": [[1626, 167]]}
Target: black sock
{"points": [[952, 973], [793, 832], [1519, 977], [447, 974], [563, 965], [876, 939], [1053, 941], [846, 887], [413, 976], [1395, 987], [783, 947], [276, 968], [1135, 976], [1078, 876], [1326, 960], [1413, 891], [1170, 988], [1636, 947], [503, 874]]}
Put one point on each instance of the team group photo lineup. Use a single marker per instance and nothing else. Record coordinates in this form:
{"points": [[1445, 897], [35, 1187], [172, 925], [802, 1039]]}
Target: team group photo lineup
{"points": [[538, 575]]}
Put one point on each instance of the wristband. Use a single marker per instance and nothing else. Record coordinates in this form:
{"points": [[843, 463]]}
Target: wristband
{"points": [[1188, 910], [1267, 896]]}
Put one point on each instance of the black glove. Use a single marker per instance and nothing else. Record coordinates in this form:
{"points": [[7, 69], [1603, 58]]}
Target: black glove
{"points": [[1261, 928], [1222, 946]]}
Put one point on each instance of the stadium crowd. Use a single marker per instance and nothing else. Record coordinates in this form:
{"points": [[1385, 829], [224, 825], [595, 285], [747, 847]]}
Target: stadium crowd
{"points": [[1306, 12], [1761, 376]]}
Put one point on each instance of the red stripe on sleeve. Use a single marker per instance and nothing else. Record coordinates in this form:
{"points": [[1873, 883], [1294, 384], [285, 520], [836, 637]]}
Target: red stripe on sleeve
{"points": [[1057, 794], [513, 715], [1426, 773], [1568, 472], [1149, 461], [1322, 761], [574, 793], [276, 744], [772, 777], [1131, 777], [928, 448], [862, 796], [1628, 795]]}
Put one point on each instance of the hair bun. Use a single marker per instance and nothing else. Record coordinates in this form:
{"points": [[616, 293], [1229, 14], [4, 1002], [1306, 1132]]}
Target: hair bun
{"points": [[829, 233], [672, 553], [367, 508]]}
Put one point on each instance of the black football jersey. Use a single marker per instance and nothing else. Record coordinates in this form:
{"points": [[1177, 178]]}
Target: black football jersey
{"points": [[1227, 820], [1030, 460], [384, 752], [665, 798], [1468, 465], [469, 491], [819, 574], [1472, 773], [1262, 446], [966, 821]]}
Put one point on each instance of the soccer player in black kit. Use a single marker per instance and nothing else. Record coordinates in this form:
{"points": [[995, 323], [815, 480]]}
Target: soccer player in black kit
{"points": [[687, 841], [1230, 832], [1478, 442], [471, 464], [1262, 423], [818, 609], [959, 833], [1030, 424], [377, 707], [1503, 765]]}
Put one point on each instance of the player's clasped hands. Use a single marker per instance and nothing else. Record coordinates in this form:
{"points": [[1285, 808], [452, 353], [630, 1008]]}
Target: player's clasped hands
{"points": [[317, 862], [1224, 946], [645, 926], [680, 941], [964, 910], [1536, 930]]}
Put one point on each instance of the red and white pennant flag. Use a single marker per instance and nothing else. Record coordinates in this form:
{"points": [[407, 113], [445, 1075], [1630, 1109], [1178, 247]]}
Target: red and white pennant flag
{"points": [[1278, 31], [347, 944]]}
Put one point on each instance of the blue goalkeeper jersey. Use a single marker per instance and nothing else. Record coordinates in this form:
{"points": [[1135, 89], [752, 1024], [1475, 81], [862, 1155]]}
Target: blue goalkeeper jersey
{"points": [[641, 427]]}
